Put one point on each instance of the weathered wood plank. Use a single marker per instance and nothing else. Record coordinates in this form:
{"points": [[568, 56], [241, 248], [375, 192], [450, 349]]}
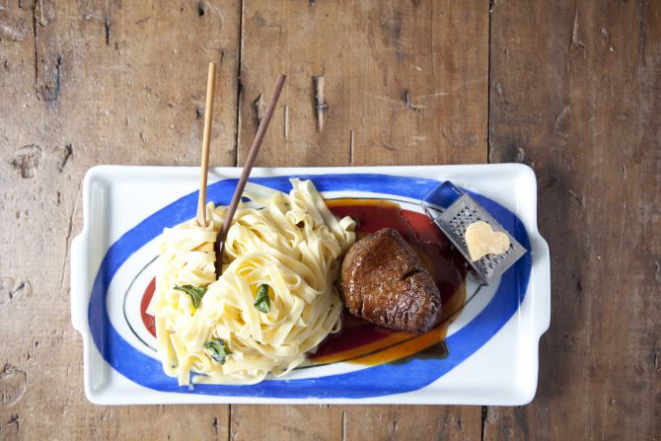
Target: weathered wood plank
{"points": [[403, 83], [85, 84], [411, 423], [575, 93], [349, 423], [285, 423]]}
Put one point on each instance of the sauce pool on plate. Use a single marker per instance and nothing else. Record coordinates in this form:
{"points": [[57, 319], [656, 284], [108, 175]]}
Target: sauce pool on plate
{"points": [[361, 342]]}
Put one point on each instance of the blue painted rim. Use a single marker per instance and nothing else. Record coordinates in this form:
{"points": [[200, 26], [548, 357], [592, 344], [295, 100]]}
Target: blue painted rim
{"points": [[385, 379]]}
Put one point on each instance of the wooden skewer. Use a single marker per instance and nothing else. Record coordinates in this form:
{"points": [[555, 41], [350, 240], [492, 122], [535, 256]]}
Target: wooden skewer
{"points": [[252, 154], [206, 139]]}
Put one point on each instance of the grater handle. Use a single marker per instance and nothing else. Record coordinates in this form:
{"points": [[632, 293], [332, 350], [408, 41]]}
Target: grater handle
{"points": [[443, 196]]}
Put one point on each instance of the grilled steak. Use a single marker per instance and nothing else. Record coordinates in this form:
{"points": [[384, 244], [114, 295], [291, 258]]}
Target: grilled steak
{"points": [[383, 281]]}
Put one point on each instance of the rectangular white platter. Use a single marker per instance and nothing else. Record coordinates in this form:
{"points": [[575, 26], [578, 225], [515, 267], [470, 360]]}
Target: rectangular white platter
{"points": [[493, 343]]}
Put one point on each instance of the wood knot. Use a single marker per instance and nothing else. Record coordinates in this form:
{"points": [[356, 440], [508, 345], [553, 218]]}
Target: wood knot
{"points": [[319, 105], [27, 160], [13, 384]]}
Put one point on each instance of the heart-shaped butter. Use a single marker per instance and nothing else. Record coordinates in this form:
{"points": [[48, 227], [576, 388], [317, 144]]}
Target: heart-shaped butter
{"points": [[482, 240]]}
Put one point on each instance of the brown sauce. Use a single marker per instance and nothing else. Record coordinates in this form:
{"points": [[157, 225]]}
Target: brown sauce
{"points": [[359, 341], [362, 342]]}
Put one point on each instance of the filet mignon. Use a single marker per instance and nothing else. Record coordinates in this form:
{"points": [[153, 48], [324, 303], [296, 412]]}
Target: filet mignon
{"points": [[384, 281]]}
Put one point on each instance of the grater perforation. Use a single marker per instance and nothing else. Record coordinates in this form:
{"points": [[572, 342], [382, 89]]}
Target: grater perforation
{"points": [[453, 212]]}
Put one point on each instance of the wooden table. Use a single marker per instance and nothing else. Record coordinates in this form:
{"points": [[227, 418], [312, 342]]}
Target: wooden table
{"points": [[571, 88]]}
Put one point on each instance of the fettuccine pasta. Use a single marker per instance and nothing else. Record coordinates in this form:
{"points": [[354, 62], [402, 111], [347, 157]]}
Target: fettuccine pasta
{"points": [[274, 301]]}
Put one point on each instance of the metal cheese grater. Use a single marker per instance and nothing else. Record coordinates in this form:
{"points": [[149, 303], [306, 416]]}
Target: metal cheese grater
{"points": [[453, 211]]}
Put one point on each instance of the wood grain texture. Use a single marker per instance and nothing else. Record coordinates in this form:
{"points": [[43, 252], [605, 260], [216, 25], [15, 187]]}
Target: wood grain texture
{"points": [[570, 88], [411, 423], [403, 82], [575, 93], [85, 84]]}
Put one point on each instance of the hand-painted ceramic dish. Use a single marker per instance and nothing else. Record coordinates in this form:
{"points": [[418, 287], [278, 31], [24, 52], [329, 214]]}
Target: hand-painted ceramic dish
{"points": [[491, 346]]}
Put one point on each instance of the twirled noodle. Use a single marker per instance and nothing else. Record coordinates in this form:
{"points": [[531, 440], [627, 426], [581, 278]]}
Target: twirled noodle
{"points": [[293, 245]]}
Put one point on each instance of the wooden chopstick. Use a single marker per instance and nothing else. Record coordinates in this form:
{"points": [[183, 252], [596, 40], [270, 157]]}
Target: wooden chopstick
{"points": [[206, 139], [252, 154]]}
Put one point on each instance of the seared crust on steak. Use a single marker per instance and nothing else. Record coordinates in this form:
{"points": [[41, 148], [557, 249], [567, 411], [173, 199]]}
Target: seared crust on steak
{"points": [[384, 281]]}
